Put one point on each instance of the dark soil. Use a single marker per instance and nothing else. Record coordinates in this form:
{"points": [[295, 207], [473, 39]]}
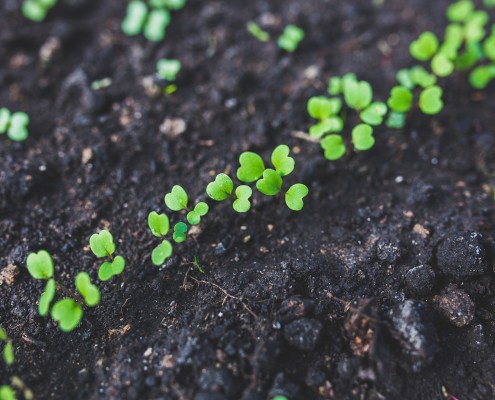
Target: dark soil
{"points": [[381, 288]]}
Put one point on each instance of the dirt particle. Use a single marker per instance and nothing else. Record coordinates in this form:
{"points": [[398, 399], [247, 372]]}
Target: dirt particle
{"points": [[120, 331], [456, 306], [87, 155], [8, 274], [303, 333], [293, 308], [420, 280], [172, 128], [421, 230]]}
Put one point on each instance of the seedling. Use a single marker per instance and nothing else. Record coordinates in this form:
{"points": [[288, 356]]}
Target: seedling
{"points": [[159, 225], [357, 94], [36, 10], [374, 113], [170, 4], [362, 137], [333, 147], [270, 184], [200, 210], [242, 204], [221, 188], [460, 10], [294, 196], [441, 65], [8, 350], [168, 69], [177, 199], [320, 107], [101, 84], [67, 312], [481, 76], [290, 38], [400, 99], [430, 100], [180, 231], [255, 30], [423, 48], [102, 246], [7, 393], [396, 120], [15, 125], [198, 265]]}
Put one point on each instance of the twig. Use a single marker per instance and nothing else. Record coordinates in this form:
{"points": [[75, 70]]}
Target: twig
{"points": [[304, 136]]}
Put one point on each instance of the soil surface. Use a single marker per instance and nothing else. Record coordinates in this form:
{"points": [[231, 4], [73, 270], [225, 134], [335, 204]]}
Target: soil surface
{"points": [[381, 288]]}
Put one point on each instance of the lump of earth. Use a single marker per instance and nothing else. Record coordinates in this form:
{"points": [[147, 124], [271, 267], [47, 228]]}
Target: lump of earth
{"points": [[456, 306], [303, 333], [420, 280]]}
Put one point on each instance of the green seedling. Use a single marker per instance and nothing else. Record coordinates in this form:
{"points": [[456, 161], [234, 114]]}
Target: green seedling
{"points": [[362, 137], [374, 113], [168, 69], [336, 84], [170, 4], [133, 23], [156, 25], [423, 48], [198, 265], [255, 30], [333, 147], [396, 120], [47, 297], [250, 170], [101, 84], [474, 29], [283, 163], [88, 291], [481, 76], [200, 210], [489, 47], [441, 65], [7, 393], [421, 77], [36, 10], [40, 265], [270, 184], [460, 10], [295, 195], [177, 199], [15, 125], [8, 350], [357, 94], [329, 125], [159, 226], [241, 203], [400, 99], [290, 38], [102, 245], [221, 188], [180, 231], [68, 313], [430, 100], [322, 108]]}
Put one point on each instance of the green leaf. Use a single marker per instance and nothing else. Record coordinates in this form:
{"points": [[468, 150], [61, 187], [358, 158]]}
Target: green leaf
{"points": [[334, 86], [34, 11], [481, 76], [471, 54], [362, 137], [423, 48], [400, 99], [294, 196], [460, 10], [168, 69], [3, 334], [488, 49], [334, 147], [430, 100], [270, 184], [194, 216], [320, 107], [404, 78], [7, 393], [358, 95], [155, 27], [40, 265], [422, 77], [18, 127], [135, 18], [180, 230], [221, 188], [332, 124], [158, 223], [255, 30], [161, 252], [102, 244], [109, 269], [283, 164], [242, 203], [474, 29], [8, 353], [4, 119], [47, 297], [441, 65], [251, 167], [67, 313], [175, 4], [177, 199], [374, 113], [396, 120], [89, 292], [290, 38]]}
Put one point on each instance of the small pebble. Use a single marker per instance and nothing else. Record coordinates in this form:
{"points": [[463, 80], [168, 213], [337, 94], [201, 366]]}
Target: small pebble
{"points": [[456, 306]]}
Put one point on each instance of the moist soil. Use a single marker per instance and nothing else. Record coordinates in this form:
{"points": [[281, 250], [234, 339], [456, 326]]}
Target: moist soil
{"points": [[382, 287]]}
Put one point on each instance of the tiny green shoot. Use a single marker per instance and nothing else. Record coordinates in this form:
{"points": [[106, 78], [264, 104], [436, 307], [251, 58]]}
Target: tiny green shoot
{"points": [[241, 203], [180, 232], [333, 147], [102, 245], [221, 188], [400, 99], [36, 10], [423, 48], [15, 125], [177, 199], [68, 313], [294, 196], [270, 184], [430, 100], [255, 30], [362, 137], [194, 216], [290, 38], [168, 69]]}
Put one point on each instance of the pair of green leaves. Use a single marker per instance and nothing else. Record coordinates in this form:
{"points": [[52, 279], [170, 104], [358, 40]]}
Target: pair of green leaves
{"points": [[223, 186], [290, 38], [8, 350], [425, 48], [139, 19], [177, 200], [15, 125], [168, 69], [102, 245], [334, 146], [326, 110], [36, 10], [430, 100]]}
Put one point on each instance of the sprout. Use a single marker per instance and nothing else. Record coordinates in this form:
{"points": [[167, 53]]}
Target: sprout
{"points": [[221, 188], [168, 69], [47, 298], [489, 47], [101, 83], [332, 124], [357, 95], [320, 107], [430, 100], [137, 11], [40, 265], [68, 313], [362, 137], [174, 4], [423, 48], [36, 10], [180, 230], [460, 10], [270, 184], [400, 99], [155, 27], [161, 253], [177, 199], [374, 113], [8, 350], [481, 76], [194, 216], [283, 164], [474, 29], [251, 168], [89, 292], [441, 65], [294, 196], [102, 245], [14, 124], [242, 203], [333, 146], [422, 77], [159, 225], [255, 30], [290, 38], [396, 120], [471, 54]]}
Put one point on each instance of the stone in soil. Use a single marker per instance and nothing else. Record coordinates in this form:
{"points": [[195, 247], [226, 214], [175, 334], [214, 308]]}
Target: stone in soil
{"points": [[420, 280], [456, 306]]}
